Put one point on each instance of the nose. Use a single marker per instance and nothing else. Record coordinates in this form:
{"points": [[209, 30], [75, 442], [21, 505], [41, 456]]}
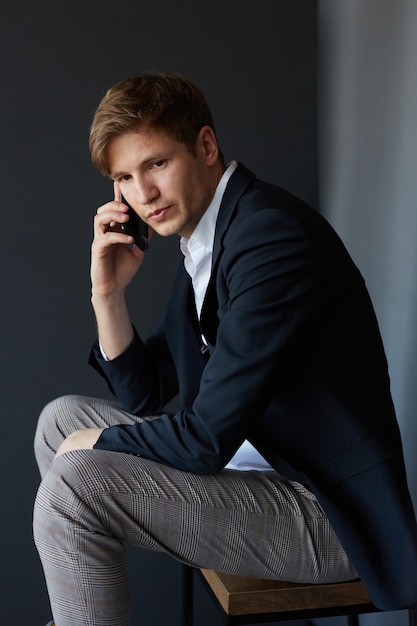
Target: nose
{"points": [[145, 190]]}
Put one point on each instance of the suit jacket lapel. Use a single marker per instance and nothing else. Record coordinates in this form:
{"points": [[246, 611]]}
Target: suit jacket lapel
{"points": [[237, 185], [181, 306]]}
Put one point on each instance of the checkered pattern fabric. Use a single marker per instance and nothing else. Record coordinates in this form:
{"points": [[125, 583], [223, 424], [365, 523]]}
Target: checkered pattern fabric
{"points": [[91, 502]]}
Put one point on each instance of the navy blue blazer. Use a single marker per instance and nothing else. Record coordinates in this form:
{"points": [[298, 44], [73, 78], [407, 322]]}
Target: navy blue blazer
{"points": [[295, 364]]}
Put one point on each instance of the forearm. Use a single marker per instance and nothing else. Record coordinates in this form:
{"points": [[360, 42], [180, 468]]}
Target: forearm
{"points": [[114, 326], [114, 263]]}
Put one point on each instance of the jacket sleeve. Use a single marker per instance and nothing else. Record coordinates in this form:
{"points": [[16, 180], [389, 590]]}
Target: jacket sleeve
{"points": [[143, 378], [270, 299]]}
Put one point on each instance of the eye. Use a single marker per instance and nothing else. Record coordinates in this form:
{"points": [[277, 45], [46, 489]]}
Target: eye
{"points": [[158, 164]]}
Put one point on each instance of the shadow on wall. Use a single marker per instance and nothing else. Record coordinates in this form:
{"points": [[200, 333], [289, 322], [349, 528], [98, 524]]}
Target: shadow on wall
{"points": [[368, 164]]}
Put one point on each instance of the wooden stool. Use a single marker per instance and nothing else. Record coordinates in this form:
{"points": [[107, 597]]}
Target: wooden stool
{"points": [[254, 601]]}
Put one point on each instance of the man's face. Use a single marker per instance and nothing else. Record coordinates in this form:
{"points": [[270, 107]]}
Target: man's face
{"points": [[167, 186]]}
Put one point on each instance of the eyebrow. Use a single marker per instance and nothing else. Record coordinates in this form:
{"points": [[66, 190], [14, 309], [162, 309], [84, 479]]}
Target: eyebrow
{"points": [[155, 157], [115, 175]]}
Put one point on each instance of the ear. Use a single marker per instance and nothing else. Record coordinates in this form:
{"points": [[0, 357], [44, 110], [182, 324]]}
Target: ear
{"points": [[207, 143]]}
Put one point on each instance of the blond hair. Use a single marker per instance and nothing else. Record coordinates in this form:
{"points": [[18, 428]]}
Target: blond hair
{"points": [[164, 101]]}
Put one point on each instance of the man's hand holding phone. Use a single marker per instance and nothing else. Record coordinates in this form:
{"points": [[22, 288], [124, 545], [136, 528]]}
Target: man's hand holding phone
{"points": [[114, 262], [120, 238]]}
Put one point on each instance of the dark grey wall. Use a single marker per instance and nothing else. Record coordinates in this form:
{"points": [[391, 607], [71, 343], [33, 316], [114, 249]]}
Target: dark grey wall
{"points": [[256, 63]]}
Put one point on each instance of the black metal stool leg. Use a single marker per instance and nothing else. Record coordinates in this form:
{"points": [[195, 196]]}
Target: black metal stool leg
{"points": [[353, 620], [412, 615], [187, 595]]}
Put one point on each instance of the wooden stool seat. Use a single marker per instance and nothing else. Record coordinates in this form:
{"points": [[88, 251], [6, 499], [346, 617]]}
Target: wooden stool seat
{"points": [[249, 596], [242, 600]]}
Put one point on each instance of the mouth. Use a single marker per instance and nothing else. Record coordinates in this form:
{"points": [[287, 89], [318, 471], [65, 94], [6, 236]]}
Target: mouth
{"points": [[159, 215]]}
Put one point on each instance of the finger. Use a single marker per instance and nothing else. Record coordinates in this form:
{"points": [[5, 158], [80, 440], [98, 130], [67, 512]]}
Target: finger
{"points": [[117, 191], [109, 220], [114, 205], [105, 240]]}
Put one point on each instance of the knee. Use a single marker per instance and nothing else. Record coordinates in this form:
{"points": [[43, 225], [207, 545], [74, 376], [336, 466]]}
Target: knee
{"points": [[56, 415], [52, 428], [47, 422], [52, 503], [67, 497]]}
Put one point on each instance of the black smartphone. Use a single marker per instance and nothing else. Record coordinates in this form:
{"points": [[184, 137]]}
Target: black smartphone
{"points": [[135, 227]]}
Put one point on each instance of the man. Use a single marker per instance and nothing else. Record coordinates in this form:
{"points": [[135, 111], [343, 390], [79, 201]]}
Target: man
{"points": [[284, 459]]}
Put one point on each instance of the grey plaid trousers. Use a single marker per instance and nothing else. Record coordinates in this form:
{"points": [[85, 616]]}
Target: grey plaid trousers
{"points": [[92, 502]]}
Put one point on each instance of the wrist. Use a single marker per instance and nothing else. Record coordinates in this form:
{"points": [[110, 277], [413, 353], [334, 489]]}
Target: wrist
{"points": [[114, 327], [112, 299]]}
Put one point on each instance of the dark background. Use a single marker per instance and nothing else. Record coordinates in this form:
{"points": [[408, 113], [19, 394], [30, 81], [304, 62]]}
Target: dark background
{"points": [[256, 63]]}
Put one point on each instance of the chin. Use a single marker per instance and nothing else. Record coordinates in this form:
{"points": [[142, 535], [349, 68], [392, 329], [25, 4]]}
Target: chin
{"points": [[166, 230]]}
